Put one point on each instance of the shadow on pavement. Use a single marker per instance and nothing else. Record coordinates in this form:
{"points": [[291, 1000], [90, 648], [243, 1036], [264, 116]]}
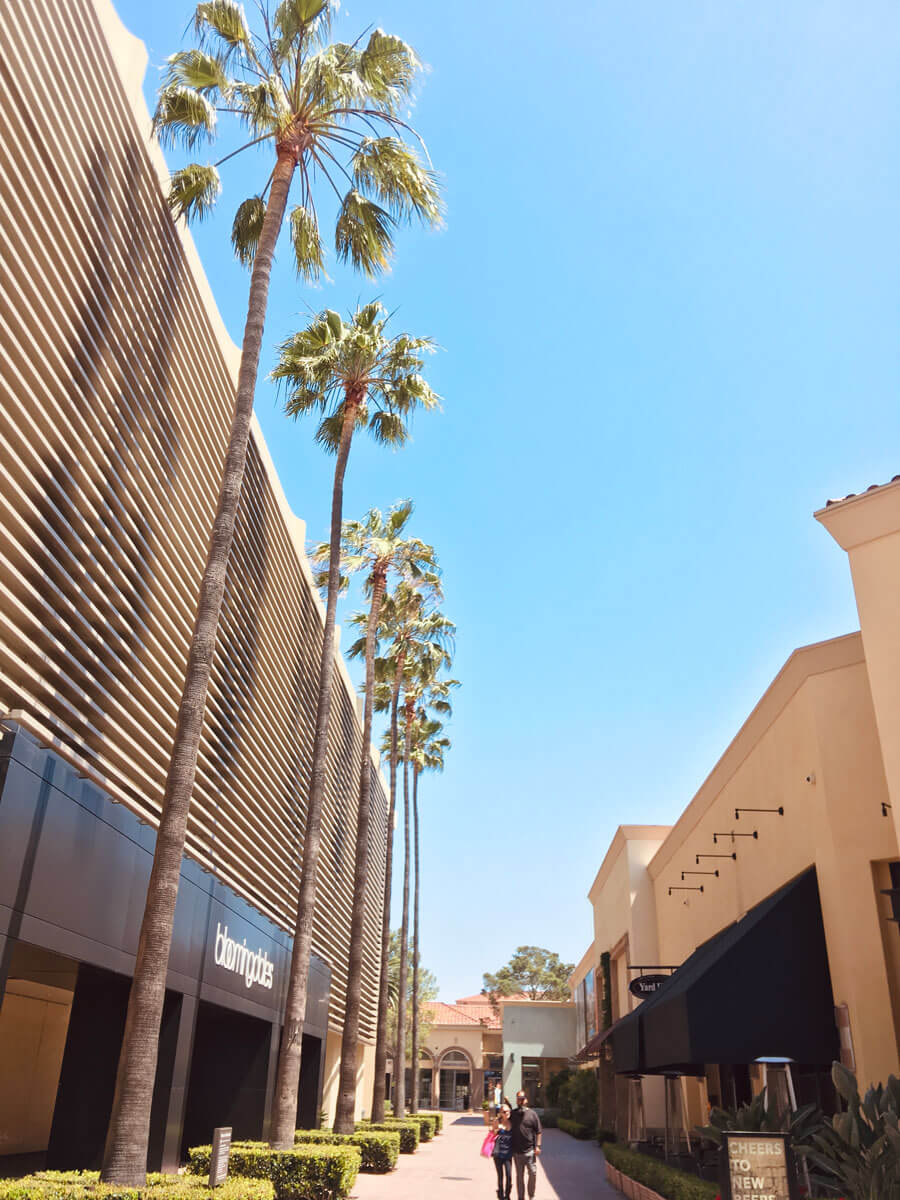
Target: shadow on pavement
{"points": [[469, 1121]]}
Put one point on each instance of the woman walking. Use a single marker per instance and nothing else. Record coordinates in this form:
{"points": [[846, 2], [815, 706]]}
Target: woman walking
{"points": [[502, 1153]]}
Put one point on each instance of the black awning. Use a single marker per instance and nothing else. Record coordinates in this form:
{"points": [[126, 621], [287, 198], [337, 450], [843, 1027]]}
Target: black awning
{"points": [[760, 988]]}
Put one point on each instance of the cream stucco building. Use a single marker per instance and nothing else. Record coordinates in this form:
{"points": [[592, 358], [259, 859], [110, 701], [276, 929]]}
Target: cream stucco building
{"points": [[770, 906]]}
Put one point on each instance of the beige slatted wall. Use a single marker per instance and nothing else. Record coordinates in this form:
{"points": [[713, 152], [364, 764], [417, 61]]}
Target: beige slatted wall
{"points": [[116, 384]]}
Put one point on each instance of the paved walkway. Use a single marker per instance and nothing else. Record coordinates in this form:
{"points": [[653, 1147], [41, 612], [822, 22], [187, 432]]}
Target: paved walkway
{"points": [[451, 1168]]}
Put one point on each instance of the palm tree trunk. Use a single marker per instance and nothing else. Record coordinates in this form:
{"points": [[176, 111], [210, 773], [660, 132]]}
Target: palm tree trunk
{"points": [[287, 1076], [125, 1156], [415, 953], [345, 1118], [381, 1029], [400, 1056]]}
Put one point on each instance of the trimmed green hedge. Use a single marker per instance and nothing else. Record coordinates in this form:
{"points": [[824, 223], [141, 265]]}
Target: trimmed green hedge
{"points": [[425, 1121], [606, 1135], [85, 1185], [575, 1128], [408, 1130], [308, 1172], [437, 1117], [667, 1181], [379, 1151]]}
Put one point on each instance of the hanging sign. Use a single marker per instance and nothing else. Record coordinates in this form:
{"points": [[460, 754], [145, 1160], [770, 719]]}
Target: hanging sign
{"points": [[218, 1159], [757, 1166], [646, 985]]}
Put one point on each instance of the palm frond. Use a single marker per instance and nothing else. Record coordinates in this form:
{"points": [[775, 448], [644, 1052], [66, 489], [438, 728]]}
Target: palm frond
{"points": [[328, 435], [363, 234], [193, 69], [263, 105], [247, 227], [297, 21], [309, 253], [183, 116], [394, 174], [388, 67], [387, 428], [222, 21], [193, 191]]}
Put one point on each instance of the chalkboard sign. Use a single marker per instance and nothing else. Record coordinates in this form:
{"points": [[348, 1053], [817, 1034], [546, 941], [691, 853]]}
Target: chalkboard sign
{"points": [[218, 1160], [757, 1166]]}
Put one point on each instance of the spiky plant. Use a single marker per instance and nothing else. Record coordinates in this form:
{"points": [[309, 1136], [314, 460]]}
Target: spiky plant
{"points": [[328, 114]]}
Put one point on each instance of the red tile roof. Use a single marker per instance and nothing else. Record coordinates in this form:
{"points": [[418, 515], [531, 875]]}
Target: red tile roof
{"points": [[449, 1014], [852, 495]]}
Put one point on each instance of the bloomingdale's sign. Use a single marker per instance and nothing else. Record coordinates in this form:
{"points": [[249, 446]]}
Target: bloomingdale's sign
{"points": [[255, 966]]}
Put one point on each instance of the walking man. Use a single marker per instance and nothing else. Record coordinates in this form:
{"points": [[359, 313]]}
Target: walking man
{"points": [[526, 1144]]}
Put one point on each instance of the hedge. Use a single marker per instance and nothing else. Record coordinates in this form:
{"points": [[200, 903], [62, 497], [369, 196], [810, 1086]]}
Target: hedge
{"points": [[379, 1151], [425, 1121], [550, 1118], [408, 1130], [666, 1181], [437, 1117], [575, 1128], [308, 1172], [85, 1185]]}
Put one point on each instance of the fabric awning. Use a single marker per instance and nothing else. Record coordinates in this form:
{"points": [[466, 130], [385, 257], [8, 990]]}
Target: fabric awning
{"points": [[591, 1049], [759, 988]]}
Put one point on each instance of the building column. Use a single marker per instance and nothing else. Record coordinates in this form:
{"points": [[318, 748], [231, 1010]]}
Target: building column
{"points": [[187, 1019]]}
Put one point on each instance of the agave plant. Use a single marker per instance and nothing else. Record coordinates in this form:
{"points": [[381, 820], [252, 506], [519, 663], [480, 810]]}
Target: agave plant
{"points": [[758, 1116]]}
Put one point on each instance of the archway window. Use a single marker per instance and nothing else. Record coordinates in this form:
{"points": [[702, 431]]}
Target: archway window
{"points": [[454, 1058]]}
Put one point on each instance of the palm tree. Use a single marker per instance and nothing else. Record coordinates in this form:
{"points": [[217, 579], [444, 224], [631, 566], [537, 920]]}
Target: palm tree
{"points": [[355, 376], [408, 624], [377, 546], [311, 103], [427, 752]]}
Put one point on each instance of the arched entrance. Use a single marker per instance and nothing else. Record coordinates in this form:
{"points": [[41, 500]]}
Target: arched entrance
{"points": [[455, 1081]]}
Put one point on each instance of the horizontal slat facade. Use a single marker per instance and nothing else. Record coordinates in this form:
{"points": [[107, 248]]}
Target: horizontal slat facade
{"points": [[116, 389]]}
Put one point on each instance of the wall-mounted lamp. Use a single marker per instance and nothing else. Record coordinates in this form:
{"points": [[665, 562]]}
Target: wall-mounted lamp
{"points": [[512, 1056], [738, 811], [731, 834], [697, 857], [683, 873], [675, 888], [884, 807]]}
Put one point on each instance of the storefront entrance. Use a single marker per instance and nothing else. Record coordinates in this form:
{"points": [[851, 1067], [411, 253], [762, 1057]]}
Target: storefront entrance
{"points": [[455, 1082]]}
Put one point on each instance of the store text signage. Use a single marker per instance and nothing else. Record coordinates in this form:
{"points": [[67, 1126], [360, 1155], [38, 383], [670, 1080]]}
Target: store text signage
{"points": [[218, 1159], [758, 1166], [646, 985], [235, 956]]}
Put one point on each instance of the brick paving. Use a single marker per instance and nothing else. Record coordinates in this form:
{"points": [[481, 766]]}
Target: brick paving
{"points": [[451, 1168]]}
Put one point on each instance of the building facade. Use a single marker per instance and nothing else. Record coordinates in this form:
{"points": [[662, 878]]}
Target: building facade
{"points": [[769, 909], [117, 381]]}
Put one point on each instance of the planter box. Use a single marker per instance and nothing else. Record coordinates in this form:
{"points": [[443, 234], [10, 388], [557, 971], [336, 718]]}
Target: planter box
{"points": [[628, 1186]]}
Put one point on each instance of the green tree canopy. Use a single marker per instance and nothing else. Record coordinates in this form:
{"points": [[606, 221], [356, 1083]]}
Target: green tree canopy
{"points": [[533, 971]]}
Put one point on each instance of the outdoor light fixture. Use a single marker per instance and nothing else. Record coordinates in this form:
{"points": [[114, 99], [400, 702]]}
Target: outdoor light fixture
{"points": [[884, 807], [675, 888], [738, 811], [697, 857], [683, 873], [732, 835]]}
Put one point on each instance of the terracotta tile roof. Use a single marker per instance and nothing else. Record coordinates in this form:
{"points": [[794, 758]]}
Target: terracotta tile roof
{"points": [[465, 1014], [481, 998], [852, 495]]}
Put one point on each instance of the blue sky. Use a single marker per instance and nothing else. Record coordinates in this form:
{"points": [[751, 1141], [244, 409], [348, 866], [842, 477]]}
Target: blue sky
{"points": [[667, 299]]}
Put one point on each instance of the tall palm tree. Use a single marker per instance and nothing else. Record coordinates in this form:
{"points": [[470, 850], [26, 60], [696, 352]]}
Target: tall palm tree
{"points": [[355, 376], [377, 546], [311, 104], [408, 623], [426, 753]]}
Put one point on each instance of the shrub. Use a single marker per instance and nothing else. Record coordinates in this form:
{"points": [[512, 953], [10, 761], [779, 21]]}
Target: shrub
{"points": [[555, 1084], [308, 1172], [606, 1135], [667, 1181], [425, 1122], [549, 1118], [437, 1117], [85, 1185], [408, 1130], [578, 1098], [575, 1128], [379, 1151]]}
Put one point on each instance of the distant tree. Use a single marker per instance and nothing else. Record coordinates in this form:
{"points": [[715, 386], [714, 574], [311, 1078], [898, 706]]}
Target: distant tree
{"points": [[532, 971], [428, 993]]}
